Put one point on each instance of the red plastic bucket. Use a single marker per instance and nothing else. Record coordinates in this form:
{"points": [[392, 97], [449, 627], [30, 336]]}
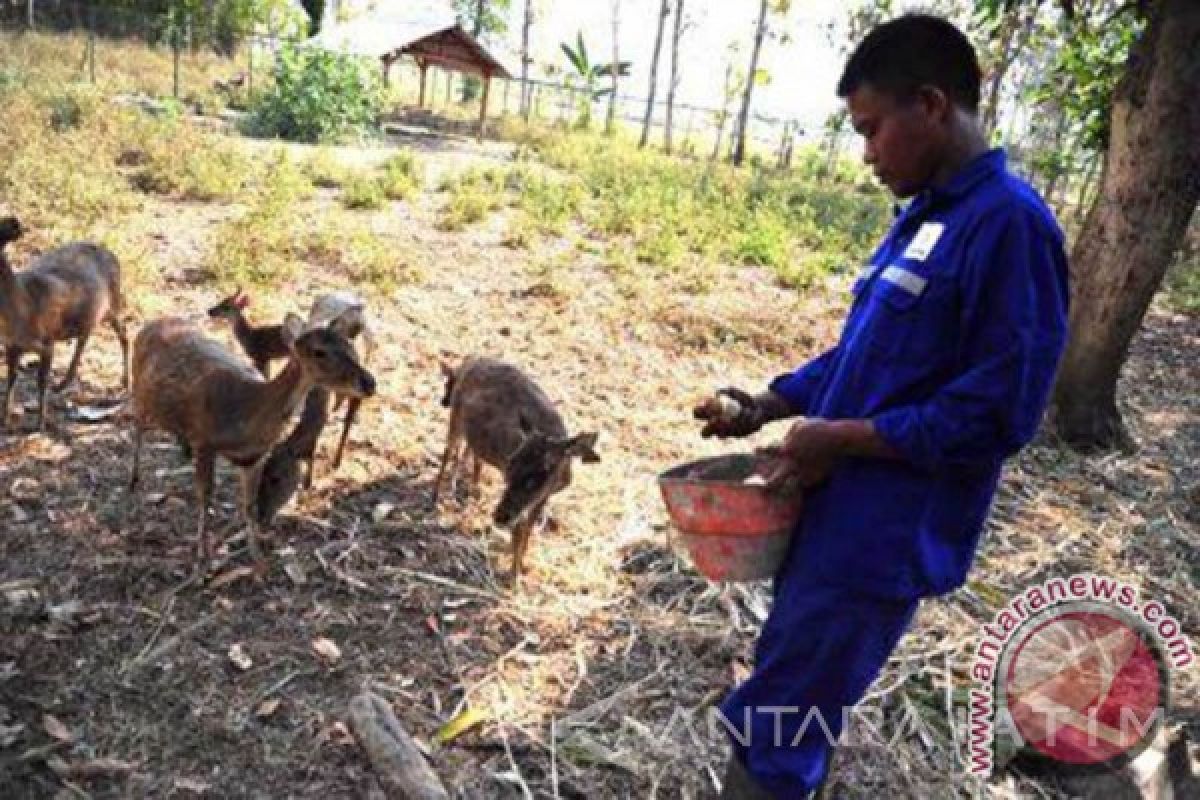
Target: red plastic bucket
{"points": [[733, 530]]}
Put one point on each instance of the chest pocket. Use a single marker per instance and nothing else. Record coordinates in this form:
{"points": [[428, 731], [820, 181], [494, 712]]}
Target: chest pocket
{"points": [[907, 316]]}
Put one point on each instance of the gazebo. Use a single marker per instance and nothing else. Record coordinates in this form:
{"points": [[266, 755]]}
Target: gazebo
{"points": [[430, 36]]}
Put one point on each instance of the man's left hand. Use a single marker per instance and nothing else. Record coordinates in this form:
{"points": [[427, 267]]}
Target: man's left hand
{"points": [[806, 456]]}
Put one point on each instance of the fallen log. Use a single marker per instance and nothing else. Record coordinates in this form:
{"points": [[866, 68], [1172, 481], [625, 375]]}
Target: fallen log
{"points": [[399, 763]]}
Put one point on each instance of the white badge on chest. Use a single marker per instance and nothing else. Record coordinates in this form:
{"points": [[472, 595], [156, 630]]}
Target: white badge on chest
{"points": [[923, 243]]}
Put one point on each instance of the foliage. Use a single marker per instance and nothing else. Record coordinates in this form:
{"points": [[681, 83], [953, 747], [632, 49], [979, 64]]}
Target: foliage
{"points": [[402, 176], [669, 208], [363, 193], [493, 19], [589, 74], [318, 96], [324, 169], [181, 162], [1092, 52]]}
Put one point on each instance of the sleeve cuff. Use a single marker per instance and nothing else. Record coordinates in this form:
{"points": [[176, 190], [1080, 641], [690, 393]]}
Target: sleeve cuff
{"points": [[901, 430]]}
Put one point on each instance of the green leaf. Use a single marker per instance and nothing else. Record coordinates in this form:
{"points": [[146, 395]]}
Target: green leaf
{"points": [[461, 723]]}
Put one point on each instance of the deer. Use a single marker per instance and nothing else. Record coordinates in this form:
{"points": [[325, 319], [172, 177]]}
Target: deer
{"points": [[502, 418], [263, 344], [342, 312], [64, 294], [281, 472], [192, 387]]}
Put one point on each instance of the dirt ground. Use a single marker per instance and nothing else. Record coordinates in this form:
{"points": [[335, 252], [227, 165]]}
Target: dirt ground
{"points": [[107, 652]]}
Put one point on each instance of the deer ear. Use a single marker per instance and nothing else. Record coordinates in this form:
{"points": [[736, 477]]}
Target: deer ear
{"points": [[583, 446], [293, 329]]}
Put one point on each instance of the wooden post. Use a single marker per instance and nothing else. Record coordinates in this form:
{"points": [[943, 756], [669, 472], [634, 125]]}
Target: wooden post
{"points": [[487, 88], [424, 65]]}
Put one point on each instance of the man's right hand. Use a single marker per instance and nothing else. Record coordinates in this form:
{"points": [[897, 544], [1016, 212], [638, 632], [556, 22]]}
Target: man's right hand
{"points": [[749, 419]]}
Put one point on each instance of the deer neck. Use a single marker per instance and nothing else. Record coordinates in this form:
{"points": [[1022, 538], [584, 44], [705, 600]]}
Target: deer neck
{"points": [[277, 399], [241, 328]]}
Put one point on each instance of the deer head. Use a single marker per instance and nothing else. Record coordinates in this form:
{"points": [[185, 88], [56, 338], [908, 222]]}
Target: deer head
{"points": [[540, 467], [327, 359]]}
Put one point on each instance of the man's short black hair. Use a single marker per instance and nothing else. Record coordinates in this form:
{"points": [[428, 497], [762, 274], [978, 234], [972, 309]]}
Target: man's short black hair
{"points": [[915, 50]]}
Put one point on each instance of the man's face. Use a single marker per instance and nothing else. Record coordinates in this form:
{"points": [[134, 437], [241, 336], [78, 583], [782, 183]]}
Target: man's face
{"points": [[903, 138]]}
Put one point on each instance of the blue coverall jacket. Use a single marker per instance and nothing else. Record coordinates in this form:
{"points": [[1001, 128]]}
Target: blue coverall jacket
{"points": [[950, 347]]}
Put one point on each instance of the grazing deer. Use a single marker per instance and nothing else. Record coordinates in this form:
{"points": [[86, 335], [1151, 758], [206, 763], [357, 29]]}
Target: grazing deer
{"points": [[263, 344], [63, 295], [281, 472], [192, 387], [503, 418], [344, 313]]}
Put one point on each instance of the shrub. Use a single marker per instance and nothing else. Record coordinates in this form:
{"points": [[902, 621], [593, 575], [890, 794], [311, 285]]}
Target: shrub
{"points": [[467, 205], [324, 169], [766, 242], [363, 193], [402, 176], [318, 96]]}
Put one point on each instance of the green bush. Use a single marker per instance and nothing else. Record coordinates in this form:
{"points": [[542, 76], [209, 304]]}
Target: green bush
{"points": [[364, 193], [325, 171], [318, 96], [402, 176]]}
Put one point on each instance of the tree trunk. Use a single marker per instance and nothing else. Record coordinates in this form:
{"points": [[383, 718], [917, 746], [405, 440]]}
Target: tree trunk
{"points": [[739, 148], [526, 90], [1015, 37], [664, 11], [723, 117], [1149, 189], [610, 121], [30, 14], [676, 34]]}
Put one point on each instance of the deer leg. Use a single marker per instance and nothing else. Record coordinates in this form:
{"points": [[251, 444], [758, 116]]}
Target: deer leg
{"points": [[473, 493], [205, 462], [137, 456], [45, 364], [449, 455], [118, 326], [351, 414], [13, 357], [73, 367], [521, 535], [251, 477], [309, 470]]}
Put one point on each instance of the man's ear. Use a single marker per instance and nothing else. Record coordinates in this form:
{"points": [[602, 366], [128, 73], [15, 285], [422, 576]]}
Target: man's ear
{"points": [[935, 102], [293, 329]]}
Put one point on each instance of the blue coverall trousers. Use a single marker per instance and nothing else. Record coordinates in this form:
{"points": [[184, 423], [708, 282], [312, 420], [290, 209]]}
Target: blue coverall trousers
{"points": [[821, 648]]}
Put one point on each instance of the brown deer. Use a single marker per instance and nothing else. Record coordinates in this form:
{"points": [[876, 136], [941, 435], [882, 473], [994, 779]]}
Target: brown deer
{"points": [[263, 344], [344, 313], [62, 295], [281, 472], [500, 416], [190, 386]]}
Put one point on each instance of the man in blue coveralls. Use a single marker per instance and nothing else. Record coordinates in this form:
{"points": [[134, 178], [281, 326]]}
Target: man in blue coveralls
{"points": [[942, 372]]}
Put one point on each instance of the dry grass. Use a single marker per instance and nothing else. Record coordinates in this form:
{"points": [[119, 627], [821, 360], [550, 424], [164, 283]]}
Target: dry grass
{"points": [[580, 672]]}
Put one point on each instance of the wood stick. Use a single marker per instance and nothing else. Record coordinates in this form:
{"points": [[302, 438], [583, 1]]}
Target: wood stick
{"points": [[398, 762]]}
